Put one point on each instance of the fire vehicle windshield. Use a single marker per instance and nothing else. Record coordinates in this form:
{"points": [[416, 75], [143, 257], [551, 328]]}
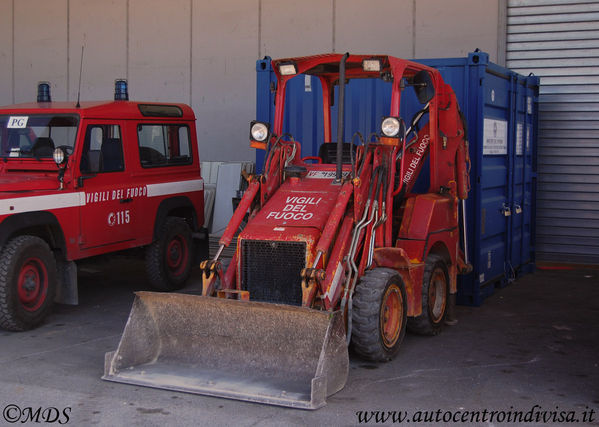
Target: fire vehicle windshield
{"points": [[37, 135]]}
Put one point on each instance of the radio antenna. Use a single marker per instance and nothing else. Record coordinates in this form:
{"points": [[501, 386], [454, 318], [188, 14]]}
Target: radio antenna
{"points": [[80, 72]]}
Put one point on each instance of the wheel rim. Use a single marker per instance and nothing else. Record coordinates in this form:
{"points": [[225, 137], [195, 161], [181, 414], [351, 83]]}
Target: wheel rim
{"points": [[437, 295], [391, 316], [176, 255], [32, 285]]}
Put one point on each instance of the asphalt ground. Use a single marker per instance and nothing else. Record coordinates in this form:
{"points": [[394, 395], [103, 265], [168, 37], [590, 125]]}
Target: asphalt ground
{"points": [[531, 350]]}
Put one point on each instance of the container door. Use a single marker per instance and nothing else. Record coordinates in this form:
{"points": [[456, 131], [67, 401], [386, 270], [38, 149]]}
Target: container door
{"points": [[494, 184], [520, 241]]}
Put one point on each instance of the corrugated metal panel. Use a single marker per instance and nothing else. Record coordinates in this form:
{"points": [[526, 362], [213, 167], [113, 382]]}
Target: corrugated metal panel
{"points": [[558, 40]]}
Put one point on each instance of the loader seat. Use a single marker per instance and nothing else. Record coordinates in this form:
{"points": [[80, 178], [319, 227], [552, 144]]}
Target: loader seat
{"points": [[328, 152]]}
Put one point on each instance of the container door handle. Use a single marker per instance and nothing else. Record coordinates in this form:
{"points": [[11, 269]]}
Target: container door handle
{"points": [[505, 210]]}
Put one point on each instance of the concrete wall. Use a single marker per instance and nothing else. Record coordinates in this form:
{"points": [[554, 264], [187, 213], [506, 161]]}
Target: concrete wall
{"points": [[203, 52]]}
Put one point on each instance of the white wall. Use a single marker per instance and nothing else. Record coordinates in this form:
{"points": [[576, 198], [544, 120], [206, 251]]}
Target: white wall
{"points": [[203, 52], [100, 26], [225, 46]]}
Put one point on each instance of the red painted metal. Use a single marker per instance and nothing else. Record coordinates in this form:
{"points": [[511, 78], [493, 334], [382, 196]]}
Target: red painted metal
{"points": [[332, 286], [334, 219], [391, 315], [242, 208], [32, 284]]}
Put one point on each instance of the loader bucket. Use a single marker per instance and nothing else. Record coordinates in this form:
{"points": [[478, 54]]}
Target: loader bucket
{"points": [[258, 352]]}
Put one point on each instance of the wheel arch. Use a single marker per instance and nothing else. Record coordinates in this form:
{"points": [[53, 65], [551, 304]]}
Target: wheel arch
{"points": [[42, 224], [180, 206], [439, 248]]}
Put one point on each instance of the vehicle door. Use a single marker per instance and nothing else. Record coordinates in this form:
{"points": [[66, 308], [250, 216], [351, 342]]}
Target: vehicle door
{"points": [[108, 215]]}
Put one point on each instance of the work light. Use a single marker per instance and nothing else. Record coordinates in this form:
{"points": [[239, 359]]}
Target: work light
{"points": [[259, 131], [287, 69], [390, 127], [59, 156], [373, 64]]}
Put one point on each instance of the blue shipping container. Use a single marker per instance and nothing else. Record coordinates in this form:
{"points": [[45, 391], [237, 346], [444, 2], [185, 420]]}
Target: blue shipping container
{"points": [[501, 111]]}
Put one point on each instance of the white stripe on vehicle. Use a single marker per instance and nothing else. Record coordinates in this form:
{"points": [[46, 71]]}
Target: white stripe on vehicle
{"points": [[166, 188], [42, 203]]}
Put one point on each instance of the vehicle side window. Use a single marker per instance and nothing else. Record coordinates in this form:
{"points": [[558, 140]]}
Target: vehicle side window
{"points": [[102, 150], [163, 145]]}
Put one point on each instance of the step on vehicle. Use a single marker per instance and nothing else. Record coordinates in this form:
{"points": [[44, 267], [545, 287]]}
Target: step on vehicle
{"points": [[90, 178], [338, 249]]}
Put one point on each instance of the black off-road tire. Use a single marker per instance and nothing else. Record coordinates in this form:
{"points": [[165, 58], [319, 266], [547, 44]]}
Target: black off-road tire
{"points": [[28, 280], [379, 315], [435, 298], [170, 257]]}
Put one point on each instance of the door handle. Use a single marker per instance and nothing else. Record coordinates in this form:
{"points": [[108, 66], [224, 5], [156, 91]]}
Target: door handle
{"points": [[128, 200]]}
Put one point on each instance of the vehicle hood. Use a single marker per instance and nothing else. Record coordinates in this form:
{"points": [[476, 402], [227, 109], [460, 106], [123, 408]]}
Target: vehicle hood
{"points": [[20, 182]]}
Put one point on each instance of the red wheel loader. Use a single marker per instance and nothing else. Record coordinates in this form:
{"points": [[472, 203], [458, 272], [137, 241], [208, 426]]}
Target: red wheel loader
{"points": [[338, 251]]}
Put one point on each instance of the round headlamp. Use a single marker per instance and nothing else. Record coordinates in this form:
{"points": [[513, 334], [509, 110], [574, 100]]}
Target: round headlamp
{"points": [[259, 131], [390, 127], [59, 156]]}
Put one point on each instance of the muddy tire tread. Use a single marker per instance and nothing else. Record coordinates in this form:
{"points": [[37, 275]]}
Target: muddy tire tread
{"points": [[366, 339]]}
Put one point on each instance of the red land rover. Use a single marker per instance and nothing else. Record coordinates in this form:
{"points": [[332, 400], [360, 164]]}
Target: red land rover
{"points": [[84, 179]]}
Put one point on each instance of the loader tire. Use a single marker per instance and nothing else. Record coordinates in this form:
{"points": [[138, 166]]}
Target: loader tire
{"points": [[435, 293], [379, 315], [28, 280], [169, 258]]}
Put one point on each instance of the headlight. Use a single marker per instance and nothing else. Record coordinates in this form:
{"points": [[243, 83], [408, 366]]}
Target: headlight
{"points": [[259, 131], [390, 126], [59, 156]]}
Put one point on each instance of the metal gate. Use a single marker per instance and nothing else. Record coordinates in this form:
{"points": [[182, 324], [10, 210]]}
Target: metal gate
{"points": [[558, 40]]}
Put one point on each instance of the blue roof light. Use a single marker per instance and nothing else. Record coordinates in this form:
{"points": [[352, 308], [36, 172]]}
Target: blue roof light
{"points": [[43, 92], [120, 90]]}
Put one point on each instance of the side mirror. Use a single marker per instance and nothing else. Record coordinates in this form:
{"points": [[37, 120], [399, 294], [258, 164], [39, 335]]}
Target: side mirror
{"points": [[423, 86]]}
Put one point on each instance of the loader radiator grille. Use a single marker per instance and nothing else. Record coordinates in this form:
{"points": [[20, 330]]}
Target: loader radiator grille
{"points": [[271, 270]]}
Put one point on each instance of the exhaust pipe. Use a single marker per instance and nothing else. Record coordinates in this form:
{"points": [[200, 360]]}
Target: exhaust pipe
{"points": [[340, 116]]}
